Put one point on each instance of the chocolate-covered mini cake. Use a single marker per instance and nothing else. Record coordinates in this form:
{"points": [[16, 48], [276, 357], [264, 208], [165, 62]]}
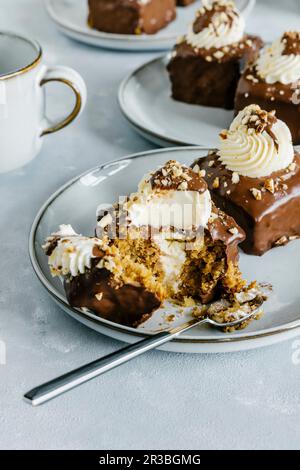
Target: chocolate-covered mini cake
{"points": [[273, 82], [131, 16], [255, 178], [167, 241], [206, 64]]}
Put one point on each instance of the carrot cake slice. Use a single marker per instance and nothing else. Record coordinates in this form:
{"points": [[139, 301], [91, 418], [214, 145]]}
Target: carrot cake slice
{"points": [[167, 241]]}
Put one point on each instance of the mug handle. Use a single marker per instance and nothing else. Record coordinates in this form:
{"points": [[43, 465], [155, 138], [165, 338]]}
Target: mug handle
{"points": [[73, 80]]}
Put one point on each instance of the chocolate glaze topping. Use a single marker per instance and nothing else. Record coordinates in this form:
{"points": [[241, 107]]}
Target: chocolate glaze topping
{"points": [[128, 305], [174, 176], [266, 208], [247, 50]]}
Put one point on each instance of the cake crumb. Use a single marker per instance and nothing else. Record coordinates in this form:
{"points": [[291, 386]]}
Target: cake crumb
{"points": [[269, 185], [235, 178], [183, 186]]}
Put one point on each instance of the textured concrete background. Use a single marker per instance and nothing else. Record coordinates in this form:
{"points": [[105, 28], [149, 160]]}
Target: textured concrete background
{"points": [[161, 400]]}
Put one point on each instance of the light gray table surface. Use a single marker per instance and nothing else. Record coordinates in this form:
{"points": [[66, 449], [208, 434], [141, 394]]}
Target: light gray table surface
{"points": [[161, 400]]}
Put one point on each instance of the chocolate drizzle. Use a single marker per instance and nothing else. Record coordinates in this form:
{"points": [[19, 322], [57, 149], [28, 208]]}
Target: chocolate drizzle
{"points": [[261, 121]]}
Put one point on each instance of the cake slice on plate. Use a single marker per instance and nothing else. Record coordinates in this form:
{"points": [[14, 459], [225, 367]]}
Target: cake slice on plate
{"points": [[167, 241], [131, 16], [254, 176], [206, 64]]}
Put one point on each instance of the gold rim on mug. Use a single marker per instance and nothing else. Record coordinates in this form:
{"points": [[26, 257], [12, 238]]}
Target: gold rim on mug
{"points": [[28, 67], [76, 109]]}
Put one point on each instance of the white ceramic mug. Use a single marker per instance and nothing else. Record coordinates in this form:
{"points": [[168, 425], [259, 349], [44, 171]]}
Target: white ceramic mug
{"points": [[23, 123]]}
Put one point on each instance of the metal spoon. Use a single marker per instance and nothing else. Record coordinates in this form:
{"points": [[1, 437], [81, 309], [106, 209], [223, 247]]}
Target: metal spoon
{"points": [[66, 382]]}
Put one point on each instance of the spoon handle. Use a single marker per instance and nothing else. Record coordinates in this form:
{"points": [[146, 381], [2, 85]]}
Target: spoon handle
{"points": [[66, 382]]}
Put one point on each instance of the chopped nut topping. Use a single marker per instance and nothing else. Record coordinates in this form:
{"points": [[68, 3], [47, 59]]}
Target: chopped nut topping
{"points": [[177, 171], [213, 217], [196, 168], [256, 193], [183, 186], [99, 296], [282, 241], [216, 183], [211, 163], [269, 185], [219, 54], [202, 173], [235, 178], [233, 230]]}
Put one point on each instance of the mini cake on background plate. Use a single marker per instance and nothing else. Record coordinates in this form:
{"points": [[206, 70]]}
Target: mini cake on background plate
{"points": [[273, 82], [168, 241], [206, 64], [131, 16], [254, 176]]}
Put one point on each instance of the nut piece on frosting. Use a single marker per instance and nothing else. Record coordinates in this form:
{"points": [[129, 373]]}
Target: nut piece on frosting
{"points": [[125, 279], [258, 173]]}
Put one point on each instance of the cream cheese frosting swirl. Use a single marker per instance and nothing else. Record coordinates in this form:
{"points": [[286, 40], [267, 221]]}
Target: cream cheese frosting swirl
{"points": [[217, 25], [278, 63], [73, 253], [167, 198], [257, 144]]}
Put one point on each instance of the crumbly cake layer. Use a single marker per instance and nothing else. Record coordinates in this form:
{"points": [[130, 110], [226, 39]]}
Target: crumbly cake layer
{"points": [[141, 257]]}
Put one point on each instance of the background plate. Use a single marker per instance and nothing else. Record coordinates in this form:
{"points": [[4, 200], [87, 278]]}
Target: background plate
{"points": [[76, 204], [146, 102], [71, 17]]}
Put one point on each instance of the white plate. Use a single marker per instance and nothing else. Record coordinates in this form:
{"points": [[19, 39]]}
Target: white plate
{"points": [[76, 203], [71, 18], [146, 102]]}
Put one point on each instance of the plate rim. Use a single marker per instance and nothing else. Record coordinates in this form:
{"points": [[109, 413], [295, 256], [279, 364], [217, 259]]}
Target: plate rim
{"points": [[115, 326], [121, 100], [148, 133], [146, 39]]}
